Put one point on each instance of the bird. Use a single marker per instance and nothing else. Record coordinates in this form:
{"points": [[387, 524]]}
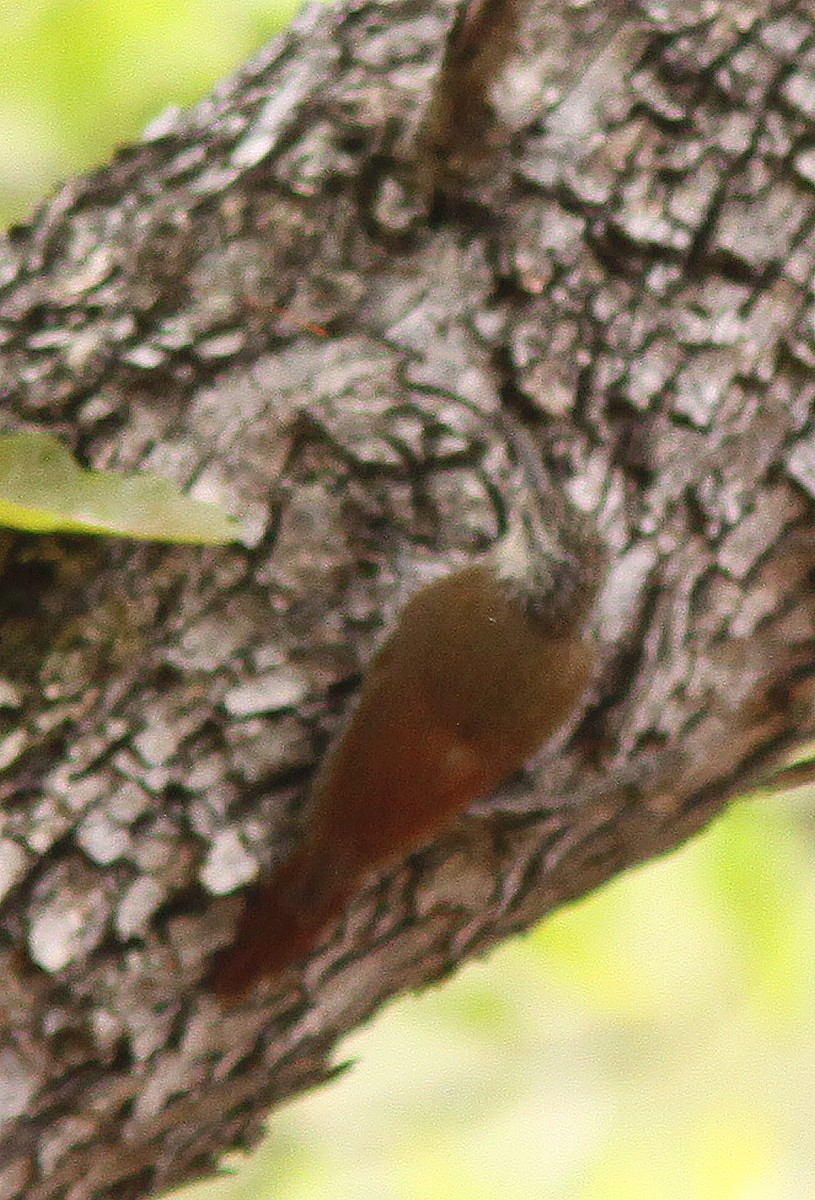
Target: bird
{"points": [[482, 667]]}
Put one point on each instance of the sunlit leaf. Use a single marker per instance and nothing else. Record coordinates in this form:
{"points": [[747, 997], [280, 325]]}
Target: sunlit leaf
{"points": [[43, 490]]}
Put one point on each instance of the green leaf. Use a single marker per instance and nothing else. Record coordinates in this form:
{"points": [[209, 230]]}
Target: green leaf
{"points": [[43, 490]]}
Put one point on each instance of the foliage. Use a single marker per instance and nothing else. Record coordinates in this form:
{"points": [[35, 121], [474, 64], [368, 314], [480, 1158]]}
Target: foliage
{"points": [[43, 490]]}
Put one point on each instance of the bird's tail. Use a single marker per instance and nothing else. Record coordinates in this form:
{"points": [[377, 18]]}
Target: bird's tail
{"points": [[282, 922]]}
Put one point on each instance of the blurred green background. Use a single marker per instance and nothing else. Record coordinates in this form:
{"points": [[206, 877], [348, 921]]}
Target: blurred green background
{"points": [[78, 77], [655, 1041]]}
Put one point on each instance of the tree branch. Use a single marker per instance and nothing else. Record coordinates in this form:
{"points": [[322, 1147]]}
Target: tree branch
{"points": [[627, 271]]}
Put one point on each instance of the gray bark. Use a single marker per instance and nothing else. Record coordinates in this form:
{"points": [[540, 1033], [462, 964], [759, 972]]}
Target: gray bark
{"points": [[629, 270]]}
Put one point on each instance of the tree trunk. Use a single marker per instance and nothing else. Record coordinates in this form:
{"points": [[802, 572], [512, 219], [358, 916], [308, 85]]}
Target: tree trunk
{"points": [[314, 298]]}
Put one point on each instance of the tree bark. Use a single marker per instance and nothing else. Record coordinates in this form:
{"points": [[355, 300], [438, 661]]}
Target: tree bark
{"points": [[312, 298]]}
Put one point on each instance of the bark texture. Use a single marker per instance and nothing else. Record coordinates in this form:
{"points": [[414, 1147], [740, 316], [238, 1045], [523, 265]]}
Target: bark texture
{"points": [[617, 249]]}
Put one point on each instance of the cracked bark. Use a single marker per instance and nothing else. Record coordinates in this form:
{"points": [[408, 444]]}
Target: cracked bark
{"points": [[629, 269]]}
